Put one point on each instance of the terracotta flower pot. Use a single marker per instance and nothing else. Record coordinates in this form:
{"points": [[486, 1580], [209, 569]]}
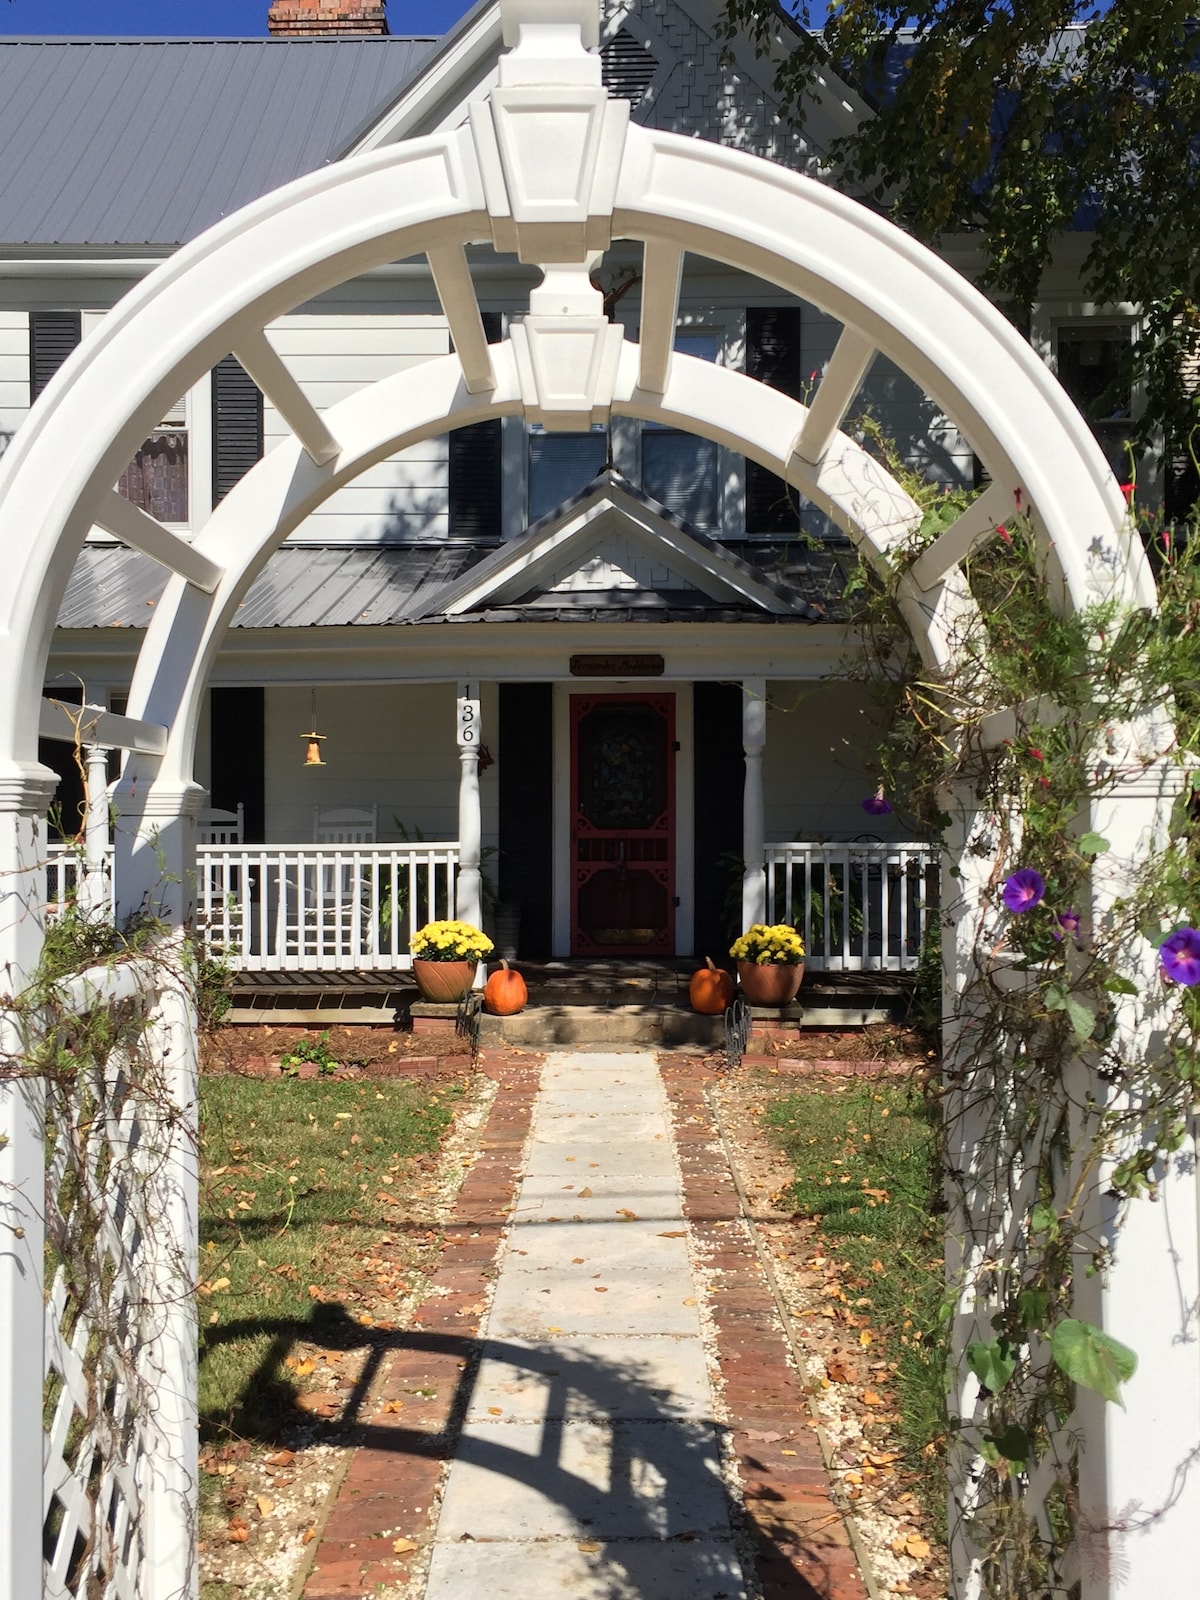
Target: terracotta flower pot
{"points": [[769, 985], [444, 982]]}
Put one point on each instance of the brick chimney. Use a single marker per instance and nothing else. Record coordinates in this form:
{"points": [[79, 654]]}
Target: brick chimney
{"points": [[307, 19]]}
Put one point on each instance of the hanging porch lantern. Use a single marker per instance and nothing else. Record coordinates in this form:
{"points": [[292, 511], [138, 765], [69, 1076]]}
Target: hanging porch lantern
{"points": [[313, 740]]}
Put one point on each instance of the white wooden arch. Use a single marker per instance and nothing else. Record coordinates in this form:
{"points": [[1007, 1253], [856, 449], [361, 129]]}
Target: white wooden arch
{"points": [[550, 169]]}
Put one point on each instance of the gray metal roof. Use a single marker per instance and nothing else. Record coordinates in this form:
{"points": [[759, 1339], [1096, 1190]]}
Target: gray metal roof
{"points": [[148, 142], [306, 586]]}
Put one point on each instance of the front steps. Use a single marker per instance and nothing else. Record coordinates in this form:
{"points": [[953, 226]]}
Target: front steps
{"points": [[571, 1003]]}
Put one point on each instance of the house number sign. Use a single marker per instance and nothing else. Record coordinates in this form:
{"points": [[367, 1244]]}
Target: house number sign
{"points": [[468, 718]]}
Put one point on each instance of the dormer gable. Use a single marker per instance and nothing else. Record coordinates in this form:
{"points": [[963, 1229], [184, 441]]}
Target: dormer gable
{"points": [[613, 545]]}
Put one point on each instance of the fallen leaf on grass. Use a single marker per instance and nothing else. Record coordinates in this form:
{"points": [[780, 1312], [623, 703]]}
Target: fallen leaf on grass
{"points": [[865, 1336], [690, 1301], [495, 1411], [589, 1546], [393, 1406], [281, 1458], [675, 1233], [237, 1532], [309, 1534], [265, 1505], [403, 1546], [763, 1436], [577, 1261], [916, 1547], [585, 1194], [838, 1372], [870, 1398], [626, 1215]]}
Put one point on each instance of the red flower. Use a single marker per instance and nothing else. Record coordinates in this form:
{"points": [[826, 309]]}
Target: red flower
{"points": [[1004, 533], [1017, 498], [1127, 491], [1036, 753]]}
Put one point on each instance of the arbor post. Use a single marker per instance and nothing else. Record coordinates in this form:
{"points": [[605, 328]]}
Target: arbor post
{"points": [[25, 792]]}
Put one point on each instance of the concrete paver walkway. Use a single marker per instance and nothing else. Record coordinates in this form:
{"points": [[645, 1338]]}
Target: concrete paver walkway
{"points": [[588, 1464]]}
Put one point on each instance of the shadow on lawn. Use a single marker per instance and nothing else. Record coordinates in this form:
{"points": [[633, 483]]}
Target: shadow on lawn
{"points": [[657, 1506]]}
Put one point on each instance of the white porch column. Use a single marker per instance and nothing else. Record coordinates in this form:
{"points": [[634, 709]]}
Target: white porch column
{"points": [[92, 896], [754, 739], [25, 792], [469, 894]]}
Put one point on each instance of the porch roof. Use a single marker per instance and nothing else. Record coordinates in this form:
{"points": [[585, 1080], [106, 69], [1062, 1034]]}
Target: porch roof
{"points": [[388, 585]]}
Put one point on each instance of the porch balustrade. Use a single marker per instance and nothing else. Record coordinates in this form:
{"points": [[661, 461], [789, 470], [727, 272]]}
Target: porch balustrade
{"points": [[858, 907], [305, 908], [281, 907]]}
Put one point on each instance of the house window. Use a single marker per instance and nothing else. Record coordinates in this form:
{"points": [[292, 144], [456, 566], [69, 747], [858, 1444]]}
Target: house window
{"points": [[561, 464], [679, 469], [773, 356], [1094, 367], [157, 477]]}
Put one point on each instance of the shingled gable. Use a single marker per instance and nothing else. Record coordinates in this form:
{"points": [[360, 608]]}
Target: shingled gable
{"points": [[613, 539], [717, 87]]}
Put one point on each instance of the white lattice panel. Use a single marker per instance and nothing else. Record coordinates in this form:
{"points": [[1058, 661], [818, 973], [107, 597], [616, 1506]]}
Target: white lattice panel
{"points": [[97, 1321]]}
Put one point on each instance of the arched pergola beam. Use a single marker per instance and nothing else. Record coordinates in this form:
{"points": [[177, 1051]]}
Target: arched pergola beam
{"points": [[287, 486], [674, 194]]}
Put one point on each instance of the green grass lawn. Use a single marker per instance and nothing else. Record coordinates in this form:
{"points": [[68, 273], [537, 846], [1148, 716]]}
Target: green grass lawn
{"points": [[299, 1236], [865, 1162]]}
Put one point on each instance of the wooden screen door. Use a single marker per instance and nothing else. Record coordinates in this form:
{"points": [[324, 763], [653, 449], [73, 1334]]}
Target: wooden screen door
{"points": [[622, 824]]}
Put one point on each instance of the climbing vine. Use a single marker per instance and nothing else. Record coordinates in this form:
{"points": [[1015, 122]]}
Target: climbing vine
{"points": [[1072, 1040]]}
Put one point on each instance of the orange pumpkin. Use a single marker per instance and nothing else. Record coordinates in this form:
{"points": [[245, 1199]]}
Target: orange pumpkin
{"points": [[711, 989], [504, 993]]}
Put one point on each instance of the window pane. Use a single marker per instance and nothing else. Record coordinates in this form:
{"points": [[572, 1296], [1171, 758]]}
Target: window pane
{"points": [[680, 471], [157, 477], [1093, 367], [560, 464]]}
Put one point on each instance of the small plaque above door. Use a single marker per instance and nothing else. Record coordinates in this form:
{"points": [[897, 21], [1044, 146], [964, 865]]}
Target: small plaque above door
{"points": [[617, 666]]}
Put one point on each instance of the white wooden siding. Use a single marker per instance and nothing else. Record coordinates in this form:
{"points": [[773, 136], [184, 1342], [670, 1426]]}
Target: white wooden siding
{"points": [[814, 773], [332, 355], [391, 745], [14, 373]]}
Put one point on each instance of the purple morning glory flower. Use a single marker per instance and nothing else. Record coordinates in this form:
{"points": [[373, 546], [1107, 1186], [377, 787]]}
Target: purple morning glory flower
{"points": [[1023, 890], [1068, 922], [875, 805], [1180, 956]]}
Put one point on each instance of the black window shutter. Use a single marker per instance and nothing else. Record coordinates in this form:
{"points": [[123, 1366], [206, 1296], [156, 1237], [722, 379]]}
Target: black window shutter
{"points": [[237, 425], [52, 337], [773, 354], [475, 469]]}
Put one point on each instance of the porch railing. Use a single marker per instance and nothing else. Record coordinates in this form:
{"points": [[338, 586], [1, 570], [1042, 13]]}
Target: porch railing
{"points": [[859, 907], [321, 907]]}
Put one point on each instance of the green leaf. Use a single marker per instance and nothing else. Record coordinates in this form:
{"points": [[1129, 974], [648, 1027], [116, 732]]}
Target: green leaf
{"points": [[1044, 1219], [1093, 844], [991, 1363], [1032, 1305], [1082, 1018], [1116, 985], [1013, 1444], [1093, 1358]]}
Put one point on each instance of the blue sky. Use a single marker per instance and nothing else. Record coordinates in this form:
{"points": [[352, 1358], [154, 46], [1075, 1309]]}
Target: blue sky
{"points": [[197, 19]]}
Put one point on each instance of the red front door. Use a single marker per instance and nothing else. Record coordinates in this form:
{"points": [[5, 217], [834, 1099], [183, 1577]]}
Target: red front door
{"points": [[622, 824]]}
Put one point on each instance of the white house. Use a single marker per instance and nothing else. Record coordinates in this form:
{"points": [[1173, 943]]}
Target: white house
{"points": [[606, 666]]}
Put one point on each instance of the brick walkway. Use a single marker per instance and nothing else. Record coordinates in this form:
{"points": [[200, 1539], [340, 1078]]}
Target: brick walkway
{"points": [[381, 1523]]}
